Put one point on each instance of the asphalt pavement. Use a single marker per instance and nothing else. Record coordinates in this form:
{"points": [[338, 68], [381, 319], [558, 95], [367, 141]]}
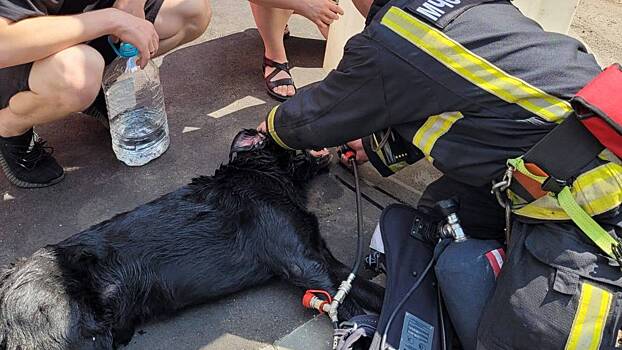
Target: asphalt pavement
{"points": [[213, 88]]}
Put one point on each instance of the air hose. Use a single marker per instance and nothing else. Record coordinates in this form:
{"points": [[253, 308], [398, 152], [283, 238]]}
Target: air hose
{"points": [[437, 253], [346, 285], [359, 216], [328, 304]]}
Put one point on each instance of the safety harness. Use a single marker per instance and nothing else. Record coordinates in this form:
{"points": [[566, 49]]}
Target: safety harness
{"points": [[566, 176], [554, 169]]}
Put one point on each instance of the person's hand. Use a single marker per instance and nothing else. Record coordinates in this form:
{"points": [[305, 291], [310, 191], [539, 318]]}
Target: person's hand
{"points": [[319, 154], [138, 32], [324, 31], [320, 12], [357, 147], [262, 127]]}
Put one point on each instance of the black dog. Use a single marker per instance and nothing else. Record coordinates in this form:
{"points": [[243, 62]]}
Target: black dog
{"points": [[221, 234]]}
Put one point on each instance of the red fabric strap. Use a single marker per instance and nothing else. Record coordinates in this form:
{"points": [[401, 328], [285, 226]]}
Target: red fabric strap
{"points": [[495, 259], [599, 107]]}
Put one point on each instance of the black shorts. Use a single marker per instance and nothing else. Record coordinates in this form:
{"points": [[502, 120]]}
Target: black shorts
{"points": [[15, 79]]}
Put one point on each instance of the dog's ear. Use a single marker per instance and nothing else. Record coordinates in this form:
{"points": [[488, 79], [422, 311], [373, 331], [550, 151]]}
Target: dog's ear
{"points": [[247, 140]]}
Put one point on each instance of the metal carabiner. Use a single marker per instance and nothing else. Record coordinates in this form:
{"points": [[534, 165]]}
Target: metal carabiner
{"points": [[505, 183], [502, 186], [497, 189]]}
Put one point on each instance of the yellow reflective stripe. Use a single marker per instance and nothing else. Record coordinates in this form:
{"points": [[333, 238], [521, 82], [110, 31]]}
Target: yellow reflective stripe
{"points": [[475, 69], [579, 319], [607, 155], [597, 191], [272, 131], [600, 190], [601, 319], [587, 327], [432, 130]]}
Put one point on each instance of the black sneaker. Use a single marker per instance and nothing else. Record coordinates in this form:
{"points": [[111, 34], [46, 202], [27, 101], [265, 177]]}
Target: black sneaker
{"points": [[99, 111], [28, 163]]}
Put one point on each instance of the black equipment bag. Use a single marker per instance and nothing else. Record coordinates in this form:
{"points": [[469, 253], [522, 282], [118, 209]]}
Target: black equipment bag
{"points": [[418, 323]]}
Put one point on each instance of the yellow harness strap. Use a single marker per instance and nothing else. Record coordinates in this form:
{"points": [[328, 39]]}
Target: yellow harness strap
{"points": [[580, 217]]}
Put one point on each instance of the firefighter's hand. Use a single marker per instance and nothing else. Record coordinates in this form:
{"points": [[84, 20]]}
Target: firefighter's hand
{"points": [[357, 147], [262, 127]]}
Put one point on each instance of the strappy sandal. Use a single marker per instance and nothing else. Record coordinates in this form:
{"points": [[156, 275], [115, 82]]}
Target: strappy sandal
{"points": [[270, 85]]}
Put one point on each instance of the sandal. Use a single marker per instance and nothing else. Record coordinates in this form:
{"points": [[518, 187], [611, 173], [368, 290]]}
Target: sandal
{"points": [[270, 85]]}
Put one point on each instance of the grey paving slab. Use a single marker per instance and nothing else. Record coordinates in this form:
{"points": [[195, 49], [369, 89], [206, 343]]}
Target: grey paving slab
{"points": [[315, 334]]}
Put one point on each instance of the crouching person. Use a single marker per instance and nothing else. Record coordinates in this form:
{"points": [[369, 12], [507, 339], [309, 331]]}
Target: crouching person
{"points": [[52, 58]]}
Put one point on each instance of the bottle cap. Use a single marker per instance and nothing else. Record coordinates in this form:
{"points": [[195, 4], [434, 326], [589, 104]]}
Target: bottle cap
{"points": [[127, 50]]}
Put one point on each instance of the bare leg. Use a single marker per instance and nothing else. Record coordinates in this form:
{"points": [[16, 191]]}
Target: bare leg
{"points": [[61, 84], [181, 21], [271, 23]]}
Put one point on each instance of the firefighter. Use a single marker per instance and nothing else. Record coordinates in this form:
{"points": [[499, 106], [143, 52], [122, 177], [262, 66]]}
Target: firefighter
{"points": [[474, 86]]}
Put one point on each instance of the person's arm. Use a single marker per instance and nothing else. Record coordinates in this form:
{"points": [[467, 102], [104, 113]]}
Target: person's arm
{"points": [[371, 90], [348, 104], [320, 12], [32, 39]]}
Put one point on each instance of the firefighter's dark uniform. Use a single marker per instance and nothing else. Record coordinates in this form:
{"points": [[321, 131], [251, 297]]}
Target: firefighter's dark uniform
{"points": [[469, 85]]}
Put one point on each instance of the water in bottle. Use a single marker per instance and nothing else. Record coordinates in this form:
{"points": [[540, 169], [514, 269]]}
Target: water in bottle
{"points": [[136, 111]]}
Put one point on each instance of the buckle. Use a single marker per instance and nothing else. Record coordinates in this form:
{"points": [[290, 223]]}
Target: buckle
{"points": [[552, 184], [616, 249]]}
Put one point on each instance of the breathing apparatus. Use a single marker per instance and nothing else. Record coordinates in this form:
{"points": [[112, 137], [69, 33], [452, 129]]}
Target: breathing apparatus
{"points": [[449, 230], [423, 228], [452, 228]]}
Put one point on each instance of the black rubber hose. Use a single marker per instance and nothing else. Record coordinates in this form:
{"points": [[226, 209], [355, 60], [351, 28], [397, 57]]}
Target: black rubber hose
{"points": [[359, 224], [427, 269], [359, 219], [402, 302]]}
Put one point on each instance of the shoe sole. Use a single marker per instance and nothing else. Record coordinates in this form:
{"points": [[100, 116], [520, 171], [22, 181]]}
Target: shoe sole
{"points": [[23, 184]]}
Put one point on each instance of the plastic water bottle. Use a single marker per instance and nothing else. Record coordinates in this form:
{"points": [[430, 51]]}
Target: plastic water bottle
{"points": [[136, 111]]}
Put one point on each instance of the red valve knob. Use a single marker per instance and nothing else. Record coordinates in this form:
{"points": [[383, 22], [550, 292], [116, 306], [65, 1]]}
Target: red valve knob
{"points": [[349, 155], [311, 301]]}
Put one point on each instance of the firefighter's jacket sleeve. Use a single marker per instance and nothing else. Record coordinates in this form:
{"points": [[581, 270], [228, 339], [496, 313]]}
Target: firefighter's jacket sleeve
{"points": [[484, 88], [363, 95]]}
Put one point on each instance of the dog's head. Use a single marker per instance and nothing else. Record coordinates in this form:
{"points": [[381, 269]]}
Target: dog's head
{"points": [[253, 145]]}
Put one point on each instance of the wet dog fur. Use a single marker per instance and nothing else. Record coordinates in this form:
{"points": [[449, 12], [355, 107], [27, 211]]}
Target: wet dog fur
{"points": [[246, 224]]}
